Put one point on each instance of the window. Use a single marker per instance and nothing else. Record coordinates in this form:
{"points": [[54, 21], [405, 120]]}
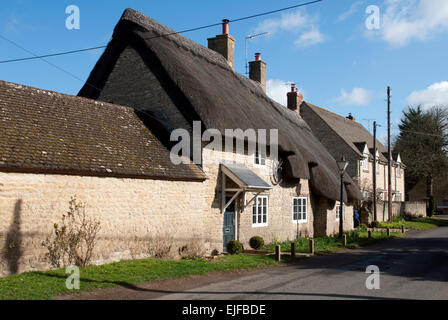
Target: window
{"points": [[398, 171], [260, 211], [398, 196], [299, 209], [259, 159], [338, 211], [365, 162]]}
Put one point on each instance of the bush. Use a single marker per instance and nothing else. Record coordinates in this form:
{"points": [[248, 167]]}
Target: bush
{"points": [[73, 242], [398, 219], [362, 227], [256, 242], [375, 224], [234, 247]]}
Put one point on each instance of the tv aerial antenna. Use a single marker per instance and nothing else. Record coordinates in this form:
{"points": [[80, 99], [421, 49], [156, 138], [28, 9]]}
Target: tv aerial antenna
{"points": [[249, 37]]}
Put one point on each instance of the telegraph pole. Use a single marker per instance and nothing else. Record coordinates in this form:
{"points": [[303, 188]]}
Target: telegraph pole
{"points": [[374, 171], [389, 178]]}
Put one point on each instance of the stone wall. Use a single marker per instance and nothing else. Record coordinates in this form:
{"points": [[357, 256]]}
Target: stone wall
{"points": [[135, 215]]}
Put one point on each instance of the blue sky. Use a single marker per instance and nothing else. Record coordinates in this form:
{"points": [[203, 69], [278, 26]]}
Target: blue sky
{"points": [[325, 48]]}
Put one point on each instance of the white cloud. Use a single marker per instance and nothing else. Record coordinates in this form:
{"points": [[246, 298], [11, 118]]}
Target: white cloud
{"points": [[358, 97], [309, 38], [277, 89], [351, 11], [435, 95], [406, 20], [295, 22]]}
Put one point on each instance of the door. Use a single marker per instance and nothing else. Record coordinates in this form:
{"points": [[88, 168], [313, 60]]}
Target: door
{"points": [[228, 229]]}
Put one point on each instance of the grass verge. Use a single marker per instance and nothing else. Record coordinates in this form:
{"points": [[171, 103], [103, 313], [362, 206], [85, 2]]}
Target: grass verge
{"points": [[323, 245], [45, 285], [416, 223]]}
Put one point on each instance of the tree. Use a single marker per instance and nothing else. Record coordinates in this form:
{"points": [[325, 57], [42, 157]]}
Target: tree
{"points": [[423, 144]]}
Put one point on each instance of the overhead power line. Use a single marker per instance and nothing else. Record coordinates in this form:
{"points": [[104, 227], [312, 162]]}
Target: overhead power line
{"points": [[149, 38]]}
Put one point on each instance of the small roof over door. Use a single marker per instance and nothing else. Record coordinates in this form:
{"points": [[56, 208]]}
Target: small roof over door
{"points": [[245, 178]]}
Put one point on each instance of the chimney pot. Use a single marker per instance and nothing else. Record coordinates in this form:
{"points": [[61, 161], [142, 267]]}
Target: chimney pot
{"points": [[225, 26], [293, 87], [258, 56]]}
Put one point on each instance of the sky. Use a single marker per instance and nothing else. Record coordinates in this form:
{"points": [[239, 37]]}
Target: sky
{"points": [[341, 54]]}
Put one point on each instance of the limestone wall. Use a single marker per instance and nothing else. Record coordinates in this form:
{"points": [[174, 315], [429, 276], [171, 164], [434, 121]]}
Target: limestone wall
{"points": [[134, 215]]}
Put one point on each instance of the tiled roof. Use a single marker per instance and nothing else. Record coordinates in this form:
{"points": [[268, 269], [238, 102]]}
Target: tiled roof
{"points": [[351, 131], [45, 131]]}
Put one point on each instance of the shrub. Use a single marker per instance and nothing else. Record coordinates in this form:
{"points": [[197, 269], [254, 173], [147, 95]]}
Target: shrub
{"points": [[73, 242], [234, 247], [375, 224], [256, 242], [193, 250], [398, 219], [363, 227]]}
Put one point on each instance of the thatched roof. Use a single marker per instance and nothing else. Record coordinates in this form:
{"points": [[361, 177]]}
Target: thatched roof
{"points": [[221, 98], [47, 132]]}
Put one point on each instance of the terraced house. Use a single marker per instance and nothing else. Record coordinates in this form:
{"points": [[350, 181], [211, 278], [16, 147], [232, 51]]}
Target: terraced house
{"points": [[111, 146], [343, 136]]}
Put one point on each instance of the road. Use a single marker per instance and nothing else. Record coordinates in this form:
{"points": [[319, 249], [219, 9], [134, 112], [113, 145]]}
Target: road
{"points": [[415, 267]]}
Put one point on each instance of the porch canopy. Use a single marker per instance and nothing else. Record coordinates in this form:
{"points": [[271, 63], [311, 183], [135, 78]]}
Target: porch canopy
{"points": [[245, 179]]}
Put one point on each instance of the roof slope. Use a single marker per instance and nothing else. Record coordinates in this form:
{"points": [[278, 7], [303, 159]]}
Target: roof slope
{"points": [[350, 131], [221, 98], [45, 131]]}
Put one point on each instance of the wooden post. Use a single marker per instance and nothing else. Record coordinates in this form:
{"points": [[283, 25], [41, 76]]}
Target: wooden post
{"points": [[402, 228], [311, 246], [369, 234], [344, 240], [388, 232], [277, 253], [293, 250]]}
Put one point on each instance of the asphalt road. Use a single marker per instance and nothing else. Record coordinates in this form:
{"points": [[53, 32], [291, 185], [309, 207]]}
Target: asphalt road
{"points": [[415, 267]]}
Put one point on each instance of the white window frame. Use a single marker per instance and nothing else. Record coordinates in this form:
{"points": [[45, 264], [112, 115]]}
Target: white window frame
{"points": [[398, 170], [303, 203], [338, 210], [365, 163], [398, 195], [255, 209], [259, 158]]}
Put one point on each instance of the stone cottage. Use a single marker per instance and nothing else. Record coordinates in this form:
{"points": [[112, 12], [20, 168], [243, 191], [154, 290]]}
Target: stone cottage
{"points": [[55, 146], [112, 147], [152, 68], [344, 136]]}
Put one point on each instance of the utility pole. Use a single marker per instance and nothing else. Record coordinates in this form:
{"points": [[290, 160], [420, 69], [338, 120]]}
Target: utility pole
{"points": [[389, 178], [374, 172]]}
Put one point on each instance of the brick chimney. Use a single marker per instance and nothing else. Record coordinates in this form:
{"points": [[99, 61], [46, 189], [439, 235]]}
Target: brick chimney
{"points": [[350, 117], [295, 99], [257, 71], [224, 43]]}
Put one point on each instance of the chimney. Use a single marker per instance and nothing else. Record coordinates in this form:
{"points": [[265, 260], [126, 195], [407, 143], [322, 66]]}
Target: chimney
{"points": [[224, 43], [295, 99], [350, 117], [257, 71]]}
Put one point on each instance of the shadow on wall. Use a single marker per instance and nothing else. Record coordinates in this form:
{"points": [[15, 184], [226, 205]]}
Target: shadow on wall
{"points": [[13, 244]]}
